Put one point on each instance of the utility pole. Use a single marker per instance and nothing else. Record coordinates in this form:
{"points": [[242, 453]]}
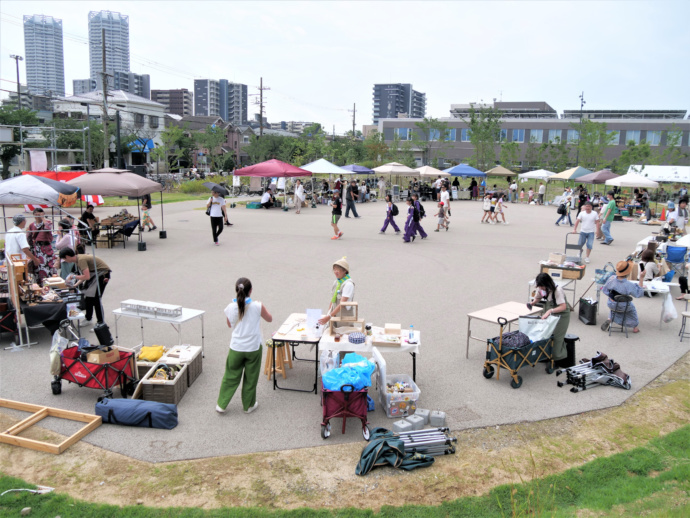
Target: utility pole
{"points": [[354, 111], [104, 83], [17, 59], [579, 137], [117, 143], [261, 106]]}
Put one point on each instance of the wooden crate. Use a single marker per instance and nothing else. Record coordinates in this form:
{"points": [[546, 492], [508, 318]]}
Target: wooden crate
{"points": [[194, 367], [166, 391], [566, 273]]}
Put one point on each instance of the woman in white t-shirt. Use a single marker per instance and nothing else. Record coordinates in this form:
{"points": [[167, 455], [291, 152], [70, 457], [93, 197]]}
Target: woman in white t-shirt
{"points": [[299, 196], [243, 316], [216, 207]]}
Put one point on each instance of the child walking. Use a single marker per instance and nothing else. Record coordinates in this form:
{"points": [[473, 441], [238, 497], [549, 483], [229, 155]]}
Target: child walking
{"points": [[487, 209], [441, 214], [522, 195], [243, 364], [419, 211], [389, 217], [337, 205], [500, 206], [409, 223]]}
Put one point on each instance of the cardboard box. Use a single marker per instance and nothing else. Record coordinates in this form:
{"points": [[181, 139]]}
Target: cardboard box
{"points": [[55, 283], [557, 258], [392, 329], [101, 356]]}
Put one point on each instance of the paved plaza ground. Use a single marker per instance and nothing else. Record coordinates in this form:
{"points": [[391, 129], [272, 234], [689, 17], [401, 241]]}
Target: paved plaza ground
{"points": [[431, 284]]}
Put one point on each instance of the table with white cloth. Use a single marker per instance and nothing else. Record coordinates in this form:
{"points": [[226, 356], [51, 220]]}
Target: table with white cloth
{"points": [[328, 343]]}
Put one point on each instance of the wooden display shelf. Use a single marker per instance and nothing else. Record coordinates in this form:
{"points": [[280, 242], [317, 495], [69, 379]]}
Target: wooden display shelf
{"points": [[10, 436]]}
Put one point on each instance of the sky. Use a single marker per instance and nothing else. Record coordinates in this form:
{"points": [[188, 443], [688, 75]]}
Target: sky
{"points": [[319, 58]]}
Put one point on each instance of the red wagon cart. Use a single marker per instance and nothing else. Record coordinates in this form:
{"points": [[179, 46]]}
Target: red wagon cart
{"points": [[344, 403], [105, 376]]}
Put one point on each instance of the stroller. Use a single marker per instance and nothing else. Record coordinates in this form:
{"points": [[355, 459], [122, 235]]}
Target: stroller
{"points": [[532, 344], [75, 369], [344, 403]]}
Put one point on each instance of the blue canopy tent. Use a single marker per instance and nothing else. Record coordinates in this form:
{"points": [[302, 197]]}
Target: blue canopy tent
{"points": [[358, 169], [465, 171]]}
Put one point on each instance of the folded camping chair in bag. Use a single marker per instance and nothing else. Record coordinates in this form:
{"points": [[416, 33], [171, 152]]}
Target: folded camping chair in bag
{"points": [[622, 306], [676, 258], [600, 370]]}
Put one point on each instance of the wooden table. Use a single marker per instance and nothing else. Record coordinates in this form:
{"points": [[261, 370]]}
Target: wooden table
{"points": [[511, 311]]}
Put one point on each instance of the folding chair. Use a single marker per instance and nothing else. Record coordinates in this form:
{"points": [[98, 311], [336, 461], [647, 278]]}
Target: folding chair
{"points": [[676, 258], [622, 305], [573, 251]]}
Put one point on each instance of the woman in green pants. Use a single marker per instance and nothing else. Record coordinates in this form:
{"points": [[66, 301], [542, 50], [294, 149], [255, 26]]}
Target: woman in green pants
{"points": [[244, 358]]}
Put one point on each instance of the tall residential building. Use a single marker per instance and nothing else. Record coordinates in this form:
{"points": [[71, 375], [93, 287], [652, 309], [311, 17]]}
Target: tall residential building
{"points": [[206, 97], [45, 63], [233, 102], [116, 28], [179, 102], [137, 84], [391, 100], [83, 86]]}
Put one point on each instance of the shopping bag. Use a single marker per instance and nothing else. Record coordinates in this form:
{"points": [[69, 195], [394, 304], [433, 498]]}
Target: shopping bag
{"points": [[537, 328], [670, 312], [59, 344]]}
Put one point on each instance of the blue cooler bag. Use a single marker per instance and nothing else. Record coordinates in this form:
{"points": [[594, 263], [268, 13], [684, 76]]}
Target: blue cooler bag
{"points": [[137, 412]]}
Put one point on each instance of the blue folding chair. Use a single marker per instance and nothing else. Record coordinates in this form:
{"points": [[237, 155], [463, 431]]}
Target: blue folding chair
{"points": [[676, 257]]}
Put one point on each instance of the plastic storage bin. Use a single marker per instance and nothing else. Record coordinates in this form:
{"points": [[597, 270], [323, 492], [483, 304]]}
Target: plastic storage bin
{"points": [[399, 404]]}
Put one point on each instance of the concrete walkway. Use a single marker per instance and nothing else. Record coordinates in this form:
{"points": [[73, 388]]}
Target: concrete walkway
{"points": [[431, 284]]}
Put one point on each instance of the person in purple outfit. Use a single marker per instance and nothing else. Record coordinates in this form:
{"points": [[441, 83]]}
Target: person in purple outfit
{"points": [[409, 222], [389, 217], [420, 214]]}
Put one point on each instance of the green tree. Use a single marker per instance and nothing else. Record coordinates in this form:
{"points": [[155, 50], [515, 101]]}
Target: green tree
{"points": [[211, 139], [672, 153], [484, 127], [510, 155], [592, 143], [12, 117], [534, 155], [171, 151], [557, 155], [375, 147], [401, 151], [633, 154], [431, 135]]}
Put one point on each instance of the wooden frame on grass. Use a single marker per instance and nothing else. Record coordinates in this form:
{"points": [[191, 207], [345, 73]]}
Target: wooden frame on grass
{"points": [[9, 436]]}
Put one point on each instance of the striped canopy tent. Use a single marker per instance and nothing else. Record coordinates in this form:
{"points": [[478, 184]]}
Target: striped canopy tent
{"points": [[571, 174], [499, 170]]}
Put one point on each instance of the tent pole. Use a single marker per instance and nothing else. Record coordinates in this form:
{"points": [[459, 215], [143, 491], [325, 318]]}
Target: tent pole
{"points": [[139, 214], [4, 218], [162, 223]]}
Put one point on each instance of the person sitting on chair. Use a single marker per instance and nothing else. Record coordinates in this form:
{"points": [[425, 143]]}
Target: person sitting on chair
{"points": [[267, 200], [555, 303], [649, 270], [620, 285]]}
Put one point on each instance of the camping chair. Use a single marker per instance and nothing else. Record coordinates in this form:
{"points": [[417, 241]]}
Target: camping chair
{"points": [[573, 251], [676, 258], [622, 305]]}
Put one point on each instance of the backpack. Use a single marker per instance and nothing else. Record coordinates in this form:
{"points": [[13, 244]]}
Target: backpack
{"points": [[422, 212], [561, 209], [394, 210]]}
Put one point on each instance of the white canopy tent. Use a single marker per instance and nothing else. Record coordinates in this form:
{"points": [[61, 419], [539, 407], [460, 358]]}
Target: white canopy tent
{"points": [[662, 173], [323, 166], [428, 171], [632, 180], [396, 169], [539, 174]]}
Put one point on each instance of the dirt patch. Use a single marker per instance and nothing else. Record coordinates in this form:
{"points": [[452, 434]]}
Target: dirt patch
{"points": [[324, 477]]}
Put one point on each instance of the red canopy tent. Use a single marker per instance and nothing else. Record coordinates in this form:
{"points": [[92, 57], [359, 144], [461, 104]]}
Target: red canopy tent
{"points": [[271, 168]]}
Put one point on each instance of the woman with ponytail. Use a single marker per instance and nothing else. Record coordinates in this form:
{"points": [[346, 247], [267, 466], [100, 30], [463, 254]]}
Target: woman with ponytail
{"points": [[243, 316]]}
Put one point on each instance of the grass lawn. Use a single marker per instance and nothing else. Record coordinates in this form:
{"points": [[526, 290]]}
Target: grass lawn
{"points": [[652, 480]]}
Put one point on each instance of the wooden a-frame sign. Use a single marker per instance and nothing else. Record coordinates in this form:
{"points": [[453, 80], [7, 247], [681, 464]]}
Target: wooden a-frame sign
{"points": [[10, 436]]}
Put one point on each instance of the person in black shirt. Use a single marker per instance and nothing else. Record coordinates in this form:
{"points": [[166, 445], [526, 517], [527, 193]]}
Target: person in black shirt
{"points": [[352, 193], [337, 205]]}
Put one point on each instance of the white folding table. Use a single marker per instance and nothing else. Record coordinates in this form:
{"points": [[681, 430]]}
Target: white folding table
{"points": [[175, 322]]}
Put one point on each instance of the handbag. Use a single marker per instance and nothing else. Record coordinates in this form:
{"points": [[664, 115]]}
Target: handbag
{"points": [[208, 211]]}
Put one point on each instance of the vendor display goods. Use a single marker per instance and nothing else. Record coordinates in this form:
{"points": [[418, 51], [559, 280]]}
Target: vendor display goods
{"points": [[399, 395], [513, 356], [353, 322], [356, 338], [600, 370], [165, 384], [154, 309], [189, 355]]}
